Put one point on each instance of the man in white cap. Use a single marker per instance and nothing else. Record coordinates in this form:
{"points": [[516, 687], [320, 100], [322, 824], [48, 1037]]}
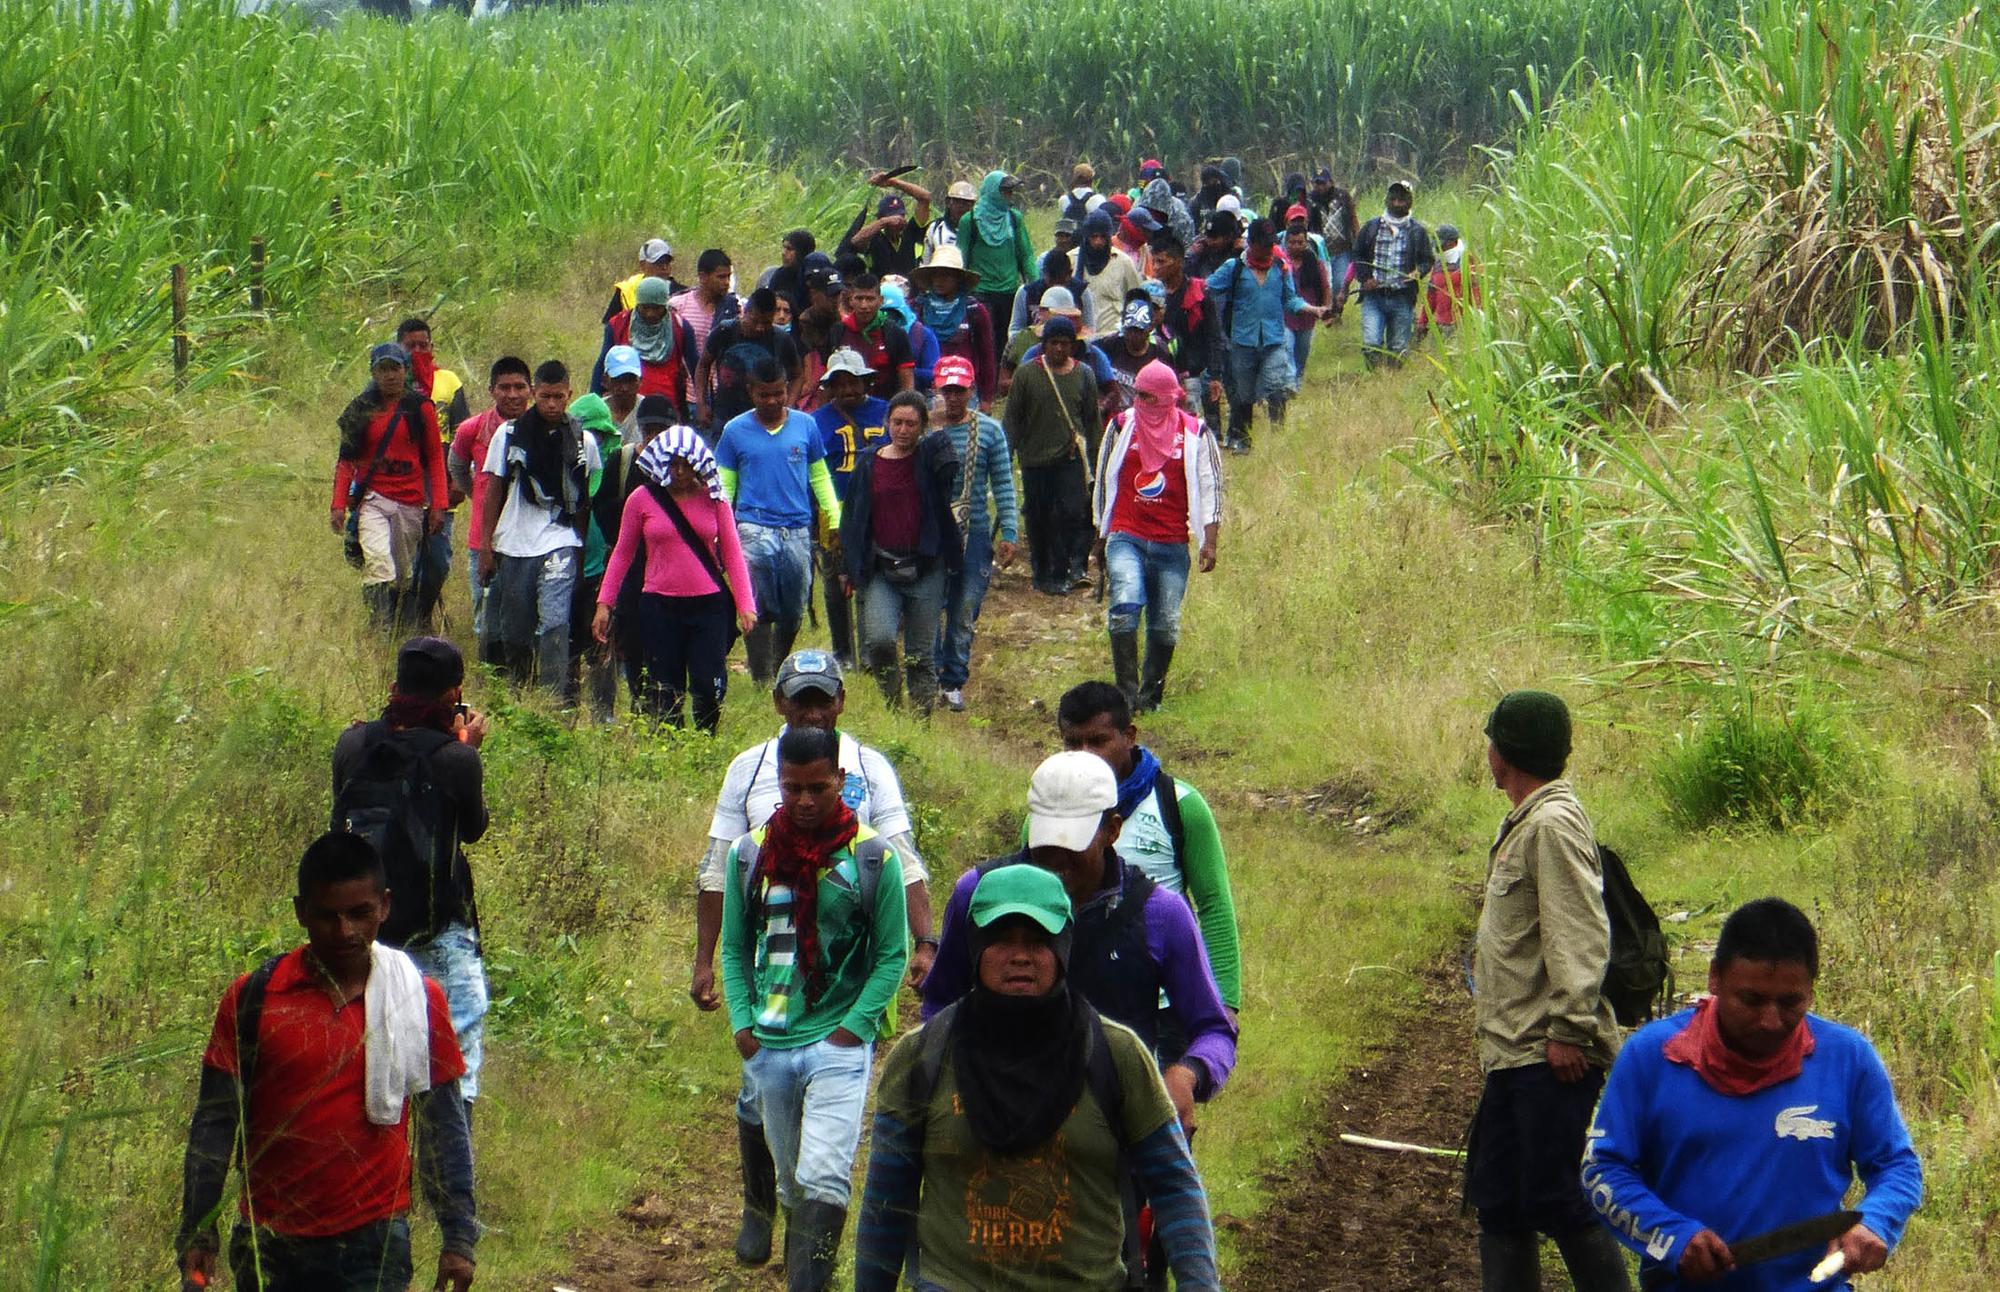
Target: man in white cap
{"points": [[809, 692], [959, 200], [1134, 939], [656, 260]]}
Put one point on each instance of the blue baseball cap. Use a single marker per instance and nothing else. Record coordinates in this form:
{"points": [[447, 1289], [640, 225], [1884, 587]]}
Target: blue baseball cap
{"points": [[621, 361], [388, 352]]}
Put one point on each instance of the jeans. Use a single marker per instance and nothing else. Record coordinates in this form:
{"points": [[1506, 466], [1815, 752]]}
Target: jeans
{"points": [[811, 1099], [478, 593], [1336, 266], [780, 561], [1146, 576], [1302, 344], [452, 960], [1055, 510], [909, 610], [964, 593], [433, 570], [1386, 318], [529, 613], [373, 1258], [685, 642]]}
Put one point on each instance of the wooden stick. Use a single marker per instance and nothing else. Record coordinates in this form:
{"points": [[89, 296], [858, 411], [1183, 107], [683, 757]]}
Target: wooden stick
{"points": [[1397, 1146], [257, 274], [180, 297]]}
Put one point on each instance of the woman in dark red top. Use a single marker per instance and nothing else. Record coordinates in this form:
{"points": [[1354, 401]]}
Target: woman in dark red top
{"points": [[900, 540]]}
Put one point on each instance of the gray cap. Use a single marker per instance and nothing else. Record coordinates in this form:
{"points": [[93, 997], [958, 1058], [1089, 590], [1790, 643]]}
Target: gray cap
{"points": [[809, 670]]}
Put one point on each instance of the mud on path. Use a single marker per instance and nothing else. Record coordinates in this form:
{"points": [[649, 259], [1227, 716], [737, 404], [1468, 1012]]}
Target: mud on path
{"points": [[1361, 1220]]}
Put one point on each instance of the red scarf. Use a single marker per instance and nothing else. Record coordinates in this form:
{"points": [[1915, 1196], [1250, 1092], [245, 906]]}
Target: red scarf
{"points": [[1700, 1046], [875, 323], [794, 857], [1260, 258], [424, 367]]}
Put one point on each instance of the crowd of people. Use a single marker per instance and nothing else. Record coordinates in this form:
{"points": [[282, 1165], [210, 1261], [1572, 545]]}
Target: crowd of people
{"points": [[889, 419], [1077, 1001]]}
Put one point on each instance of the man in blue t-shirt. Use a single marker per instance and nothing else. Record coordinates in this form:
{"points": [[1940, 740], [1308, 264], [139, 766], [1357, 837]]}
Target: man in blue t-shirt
{"points": [[772, 462], [849, 420], [1745, 1114]]}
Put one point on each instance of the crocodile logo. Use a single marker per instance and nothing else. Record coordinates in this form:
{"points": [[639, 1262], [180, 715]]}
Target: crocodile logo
{"points": [[1796, 1123]]}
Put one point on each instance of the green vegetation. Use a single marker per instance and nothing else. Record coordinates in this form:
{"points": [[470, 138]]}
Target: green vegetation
{"points": [[1759, 571]]}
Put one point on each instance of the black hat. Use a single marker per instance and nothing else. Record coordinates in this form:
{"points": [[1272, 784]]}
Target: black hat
{"points": [[1532, 732], [428, 666], [656, 410]]}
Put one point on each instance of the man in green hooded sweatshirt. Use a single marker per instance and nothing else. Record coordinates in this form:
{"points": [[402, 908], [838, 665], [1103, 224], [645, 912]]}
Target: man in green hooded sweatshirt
{"points": [[993, 238]]}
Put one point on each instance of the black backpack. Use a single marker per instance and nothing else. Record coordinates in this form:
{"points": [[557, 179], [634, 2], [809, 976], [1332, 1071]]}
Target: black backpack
{"points": [[1078, 208], [393, 800], [1639, 981]]}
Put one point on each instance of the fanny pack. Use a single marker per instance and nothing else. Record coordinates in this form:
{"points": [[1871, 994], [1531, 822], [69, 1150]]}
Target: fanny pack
{"points": [[900, 568]]}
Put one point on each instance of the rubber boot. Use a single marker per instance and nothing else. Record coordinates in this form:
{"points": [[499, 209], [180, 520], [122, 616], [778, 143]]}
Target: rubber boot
{"points": [[783, 634], [920, 681], [760, 1195], [888, 674], [1239, 429], [812, 1245], [380, 599], [1596, 1262], [1125, 664], [1509, 1262], [757, 652], [1153, 680]]}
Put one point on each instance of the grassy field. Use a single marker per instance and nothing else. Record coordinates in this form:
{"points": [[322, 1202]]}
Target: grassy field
{"points": [[180, 642]]}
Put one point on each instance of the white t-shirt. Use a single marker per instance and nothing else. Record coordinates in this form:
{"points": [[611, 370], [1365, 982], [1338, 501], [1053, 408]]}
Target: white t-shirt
{"points": [[527, 527], [750, 795]]}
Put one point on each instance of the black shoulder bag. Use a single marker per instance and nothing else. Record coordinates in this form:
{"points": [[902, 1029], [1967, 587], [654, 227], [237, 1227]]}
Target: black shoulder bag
{"points": [[700, 549]]}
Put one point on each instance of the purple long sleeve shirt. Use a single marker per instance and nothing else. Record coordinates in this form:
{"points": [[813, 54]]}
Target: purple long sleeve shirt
{"points": [[1180, 963]]}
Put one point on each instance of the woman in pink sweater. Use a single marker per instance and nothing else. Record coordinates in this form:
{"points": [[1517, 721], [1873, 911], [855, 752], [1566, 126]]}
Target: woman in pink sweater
{"points": [[696, 596]]}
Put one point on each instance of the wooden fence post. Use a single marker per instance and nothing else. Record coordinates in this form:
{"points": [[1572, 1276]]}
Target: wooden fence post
{"points": [[257, 275], [180, 301]]}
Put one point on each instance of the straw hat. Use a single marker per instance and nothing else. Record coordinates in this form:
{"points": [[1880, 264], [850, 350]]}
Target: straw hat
{"points": [[946, 257]]}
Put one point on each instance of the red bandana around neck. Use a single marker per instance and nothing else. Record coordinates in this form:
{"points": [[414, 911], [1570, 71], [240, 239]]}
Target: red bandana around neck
{"points": [[1700, 1046], [1260, 258], [795, 857], [424, 367]]}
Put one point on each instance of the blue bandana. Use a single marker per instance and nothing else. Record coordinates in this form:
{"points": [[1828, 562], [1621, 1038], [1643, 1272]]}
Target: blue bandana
{"points": [[1134, 788]]}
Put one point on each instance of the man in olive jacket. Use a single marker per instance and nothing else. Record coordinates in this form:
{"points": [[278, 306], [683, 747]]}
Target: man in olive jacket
{"points": [[1546, 1034]]}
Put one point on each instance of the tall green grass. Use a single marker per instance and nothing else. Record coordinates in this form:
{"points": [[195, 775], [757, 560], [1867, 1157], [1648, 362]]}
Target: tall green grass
{"points": [[1742, 328], [369, 157], [1356, 84]]}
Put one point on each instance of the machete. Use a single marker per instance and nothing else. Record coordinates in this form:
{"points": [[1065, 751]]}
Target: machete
{"points": [[1783, 1241]]}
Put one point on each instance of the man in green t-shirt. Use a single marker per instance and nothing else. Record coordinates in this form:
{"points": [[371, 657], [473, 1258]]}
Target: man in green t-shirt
{"points": [[1005, 1126], [1178, 848], [813, 948]]}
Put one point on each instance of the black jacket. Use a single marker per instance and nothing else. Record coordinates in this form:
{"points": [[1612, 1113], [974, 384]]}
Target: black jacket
{"points": [[937, 485], [1418, 253]]}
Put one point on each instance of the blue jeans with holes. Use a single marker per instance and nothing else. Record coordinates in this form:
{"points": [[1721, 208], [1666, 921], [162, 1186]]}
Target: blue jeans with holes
{"points": [[964, 593], [373, 1258], [1386, 319], [811, 1100], [1146, 577], [451, 959], [780, 561]]}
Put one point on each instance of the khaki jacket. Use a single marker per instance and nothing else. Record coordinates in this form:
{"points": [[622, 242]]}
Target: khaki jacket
{"points": [[1544, 940]]}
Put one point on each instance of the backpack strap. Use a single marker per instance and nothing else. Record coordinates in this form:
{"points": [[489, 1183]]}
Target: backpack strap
{"points": [[685, 528], [249, 1021], [869, 855], [1166, 796]]}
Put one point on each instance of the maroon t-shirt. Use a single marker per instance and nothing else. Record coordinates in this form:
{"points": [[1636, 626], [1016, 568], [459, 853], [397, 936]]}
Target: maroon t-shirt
{"points": [[896, 518]]}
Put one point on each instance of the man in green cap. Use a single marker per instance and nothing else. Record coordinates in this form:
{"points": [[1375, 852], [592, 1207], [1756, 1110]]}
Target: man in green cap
{"points": [[1546, 1034]]}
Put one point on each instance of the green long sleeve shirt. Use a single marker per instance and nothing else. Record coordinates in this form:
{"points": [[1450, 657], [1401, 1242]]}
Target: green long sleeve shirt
{"points": [[864, 953], [1003, 267]]}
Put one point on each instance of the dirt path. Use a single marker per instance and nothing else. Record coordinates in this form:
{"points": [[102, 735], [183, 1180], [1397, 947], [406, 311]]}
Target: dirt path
{"points": [[1354, 1218]]}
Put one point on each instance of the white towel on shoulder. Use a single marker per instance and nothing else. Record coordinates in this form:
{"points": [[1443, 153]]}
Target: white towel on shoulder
{"points": [[397, 1041]]}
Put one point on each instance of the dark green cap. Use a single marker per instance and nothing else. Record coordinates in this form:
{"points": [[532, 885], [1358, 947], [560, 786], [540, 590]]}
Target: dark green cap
{"points": [[1531, 731]]}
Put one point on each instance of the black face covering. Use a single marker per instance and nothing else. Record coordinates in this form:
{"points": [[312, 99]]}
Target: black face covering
{"points": [[1020, 1061]]}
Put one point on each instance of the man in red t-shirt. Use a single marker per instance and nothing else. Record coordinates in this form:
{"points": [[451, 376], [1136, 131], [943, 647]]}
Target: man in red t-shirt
{"points": [[390, 480], [508, 383], [881, 342], [1158, 485], [325, 1129]]}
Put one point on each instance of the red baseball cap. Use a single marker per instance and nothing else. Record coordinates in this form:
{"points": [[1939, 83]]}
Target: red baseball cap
{"points": [[953, 370], [1296, 212]]}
